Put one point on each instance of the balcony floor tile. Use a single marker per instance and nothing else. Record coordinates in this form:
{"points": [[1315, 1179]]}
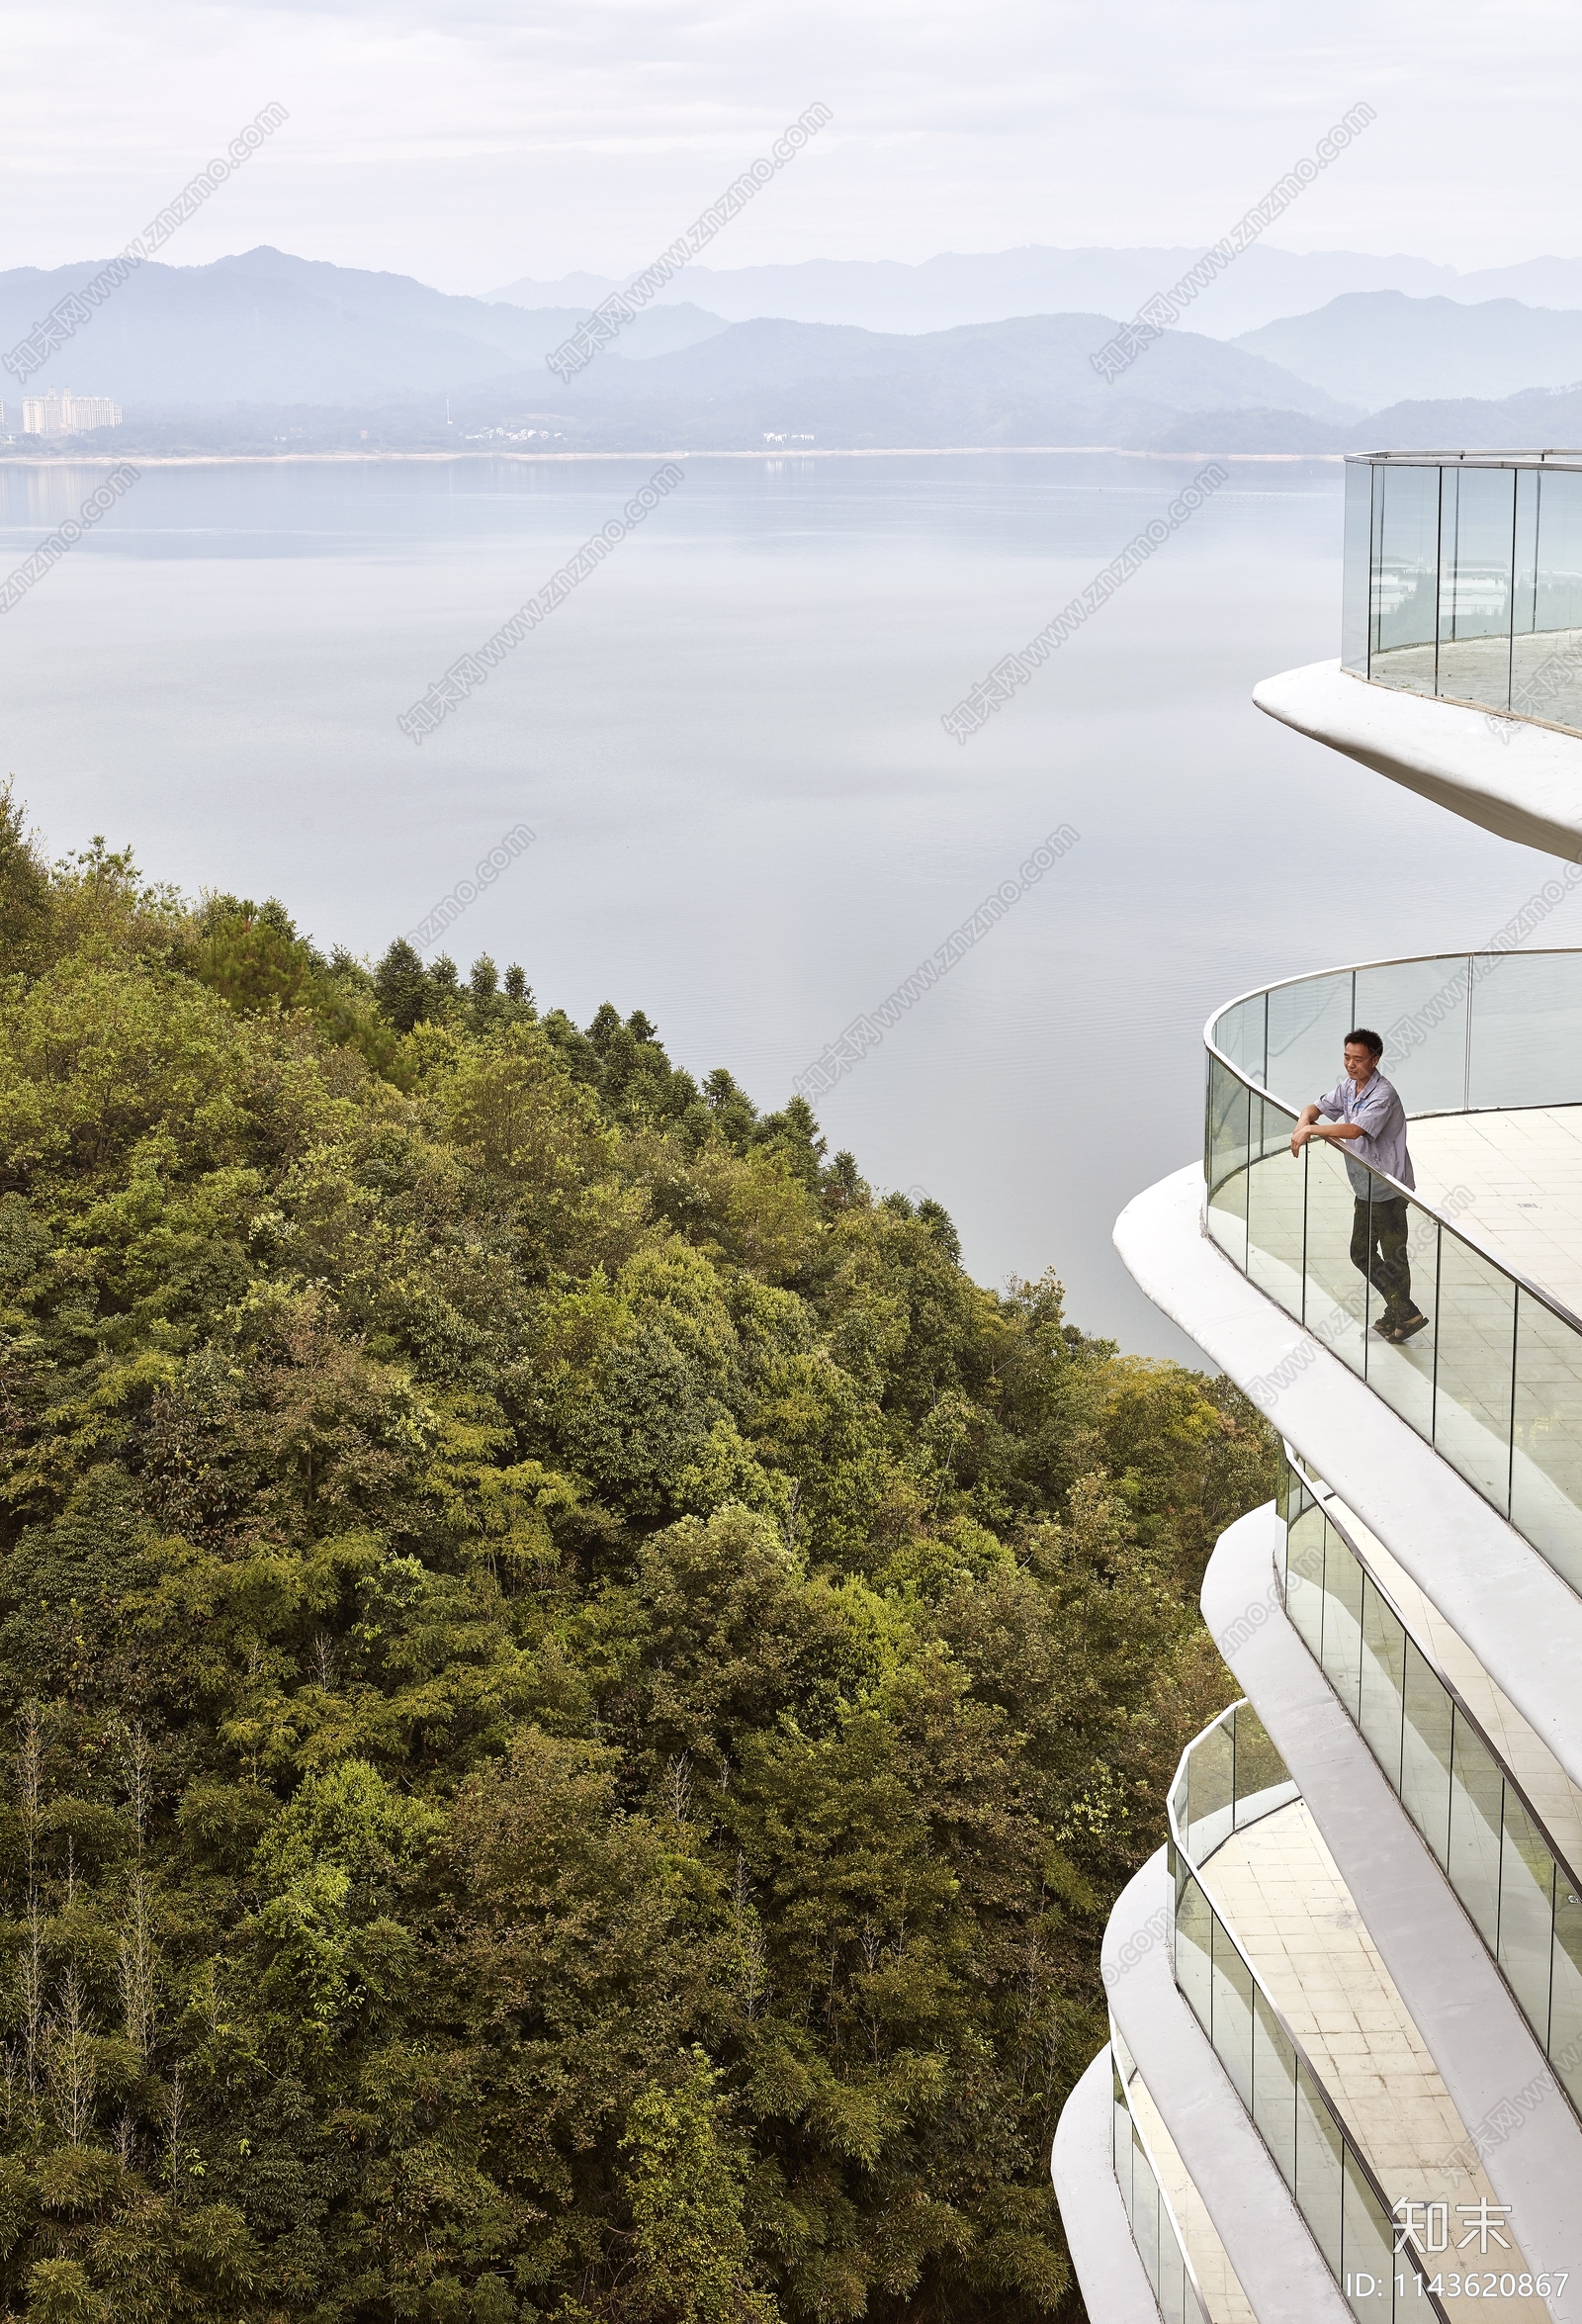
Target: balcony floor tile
{"points": [[1324, 1973]]}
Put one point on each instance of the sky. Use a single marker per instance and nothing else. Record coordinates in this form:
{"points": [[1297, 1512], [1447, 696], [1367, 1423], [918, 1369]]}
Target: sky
{"points": [[473, 143]]}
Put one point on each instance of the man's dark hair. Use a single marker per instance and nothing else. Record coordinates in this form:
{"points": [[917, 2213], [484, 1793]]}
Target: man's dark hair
{"points": [[1365, 1038]]}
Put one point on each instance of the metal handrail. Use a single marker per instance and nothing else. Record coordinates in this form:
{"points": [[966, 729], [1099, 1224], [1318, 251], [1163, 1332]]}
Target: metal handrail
{"points": [[1196, 1866], [1125, 2081], [1224, 1717], [1279, 984], [1403, 593], [1512, 457], [1323, 1498], [1326, 1498], [1535, 1290]]}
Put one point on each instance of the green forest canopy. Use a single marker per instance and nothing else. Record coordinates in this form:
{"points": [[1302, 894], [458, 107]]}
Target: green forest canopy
{"points": [[573, 1694]]}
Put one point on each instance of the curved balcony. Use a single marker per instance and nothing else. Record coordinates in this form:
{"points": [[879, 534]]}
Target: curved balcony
{"points": [[1271, 1958], [1097, 2189], [1456, 1999], [1492, 1836], [1483, 1048], [1463, 579], [1150, 2212], [1231, 1776], [1219, 2175]]}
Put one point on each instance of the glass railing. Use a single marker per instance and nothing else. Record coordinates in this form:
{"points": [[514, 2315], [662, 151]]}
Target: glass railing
{"points": [[1229, 1777], [1494, 1383], [1463, 579], [1482, 1831], [1154, 2229]]}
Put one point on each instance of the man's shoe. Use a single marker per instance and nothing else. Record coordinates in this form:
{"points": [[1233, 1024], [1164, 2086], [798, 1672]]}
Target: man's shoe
{"points": [[1410, 1328]]}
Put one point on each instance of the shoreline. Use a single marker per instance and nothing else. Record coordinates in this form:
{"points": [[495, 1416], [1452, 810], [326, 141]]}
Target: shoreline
{"points": [[542, 459]]}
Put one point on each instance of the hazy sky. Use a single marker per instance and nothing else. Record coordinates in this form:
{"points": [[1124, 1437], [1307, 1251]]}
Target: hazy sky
{"points": [[472, 144]]}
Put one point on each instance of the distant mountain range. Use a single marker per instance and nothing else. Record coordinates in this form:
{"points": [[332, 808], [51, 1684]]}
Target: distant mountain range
{"points": [[942, 293], [268, 328], [1376, 347], [1538, 417], [1042, 357], [266, 350]]}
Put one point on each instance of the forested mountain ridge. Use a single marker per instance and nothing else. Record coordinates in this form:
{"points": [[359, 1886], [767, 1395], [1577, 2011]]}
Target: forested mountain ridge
{"points": [[572, 1693]]}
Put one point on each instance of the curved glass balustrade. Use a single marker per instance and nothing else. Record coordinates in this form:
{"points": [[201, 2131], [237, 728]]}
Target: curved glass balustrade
{"points": [[1495, 1382], [1483, 1832], [1229, 1777], [1463, 579], [1153, 2224]]}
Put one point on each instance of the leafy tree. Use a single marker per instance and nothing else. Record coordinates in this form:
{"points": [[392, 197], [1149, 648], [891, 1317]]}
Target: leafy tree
{"points": [[573, 1694], [24, 884], [401, 984], [691, 2247]]}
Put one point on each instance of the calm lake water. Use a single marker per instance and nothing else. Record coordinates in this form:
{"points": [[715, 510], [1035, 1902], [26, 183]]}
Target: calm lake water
{"points": [[749, 822]]}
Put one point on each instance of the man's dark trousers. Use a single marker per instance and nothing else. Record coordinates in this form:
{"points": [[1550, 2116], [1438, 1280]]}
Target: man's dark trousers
{"points": [[1379, 1251]]}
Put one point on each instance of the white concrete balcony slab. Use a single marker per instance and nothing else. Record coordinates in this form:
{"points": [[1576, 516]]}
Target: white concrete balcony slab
{"points": [[1555, 1799], [1513, 776], [1462, 1318], [1490, 2068], [1302, 2014], [1114, 2287], [1279, 2267], [1216, 2282], [1518, 1617], [1277, 1888]]}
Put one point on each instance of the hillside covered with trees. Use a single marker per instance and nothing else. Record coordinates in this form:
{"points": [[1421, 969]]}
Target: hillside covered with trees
{"points": [[573, 1692]]}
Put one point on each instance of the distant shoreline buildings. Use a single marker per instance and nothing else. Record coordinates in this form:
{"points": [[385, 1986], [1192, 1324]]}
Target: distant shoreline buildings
{"points": [[62, 413]]}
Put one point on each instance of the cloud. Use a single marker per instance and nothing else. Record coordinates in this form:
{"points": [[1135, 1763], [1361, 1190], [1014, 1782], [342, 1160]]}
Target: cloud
{"points": [[471, 143]]}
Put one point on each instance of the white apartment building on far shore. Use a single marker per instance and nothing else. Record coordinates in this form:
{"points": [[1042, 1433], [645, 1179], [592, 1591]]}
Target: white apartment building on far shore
{"points": [[62, 413]]}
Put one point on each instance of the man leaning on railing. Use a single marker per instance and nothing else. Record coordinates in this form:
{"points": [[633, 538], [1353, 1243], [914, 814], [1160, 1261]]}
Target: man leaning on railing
{"points": [[1363, 1116]]}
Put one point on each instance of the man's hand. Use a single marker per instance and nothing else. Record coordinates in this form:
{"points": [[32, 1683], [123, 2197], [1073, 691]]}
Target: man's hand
{"points": [[1330, 1133], [1304, 1128]]}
